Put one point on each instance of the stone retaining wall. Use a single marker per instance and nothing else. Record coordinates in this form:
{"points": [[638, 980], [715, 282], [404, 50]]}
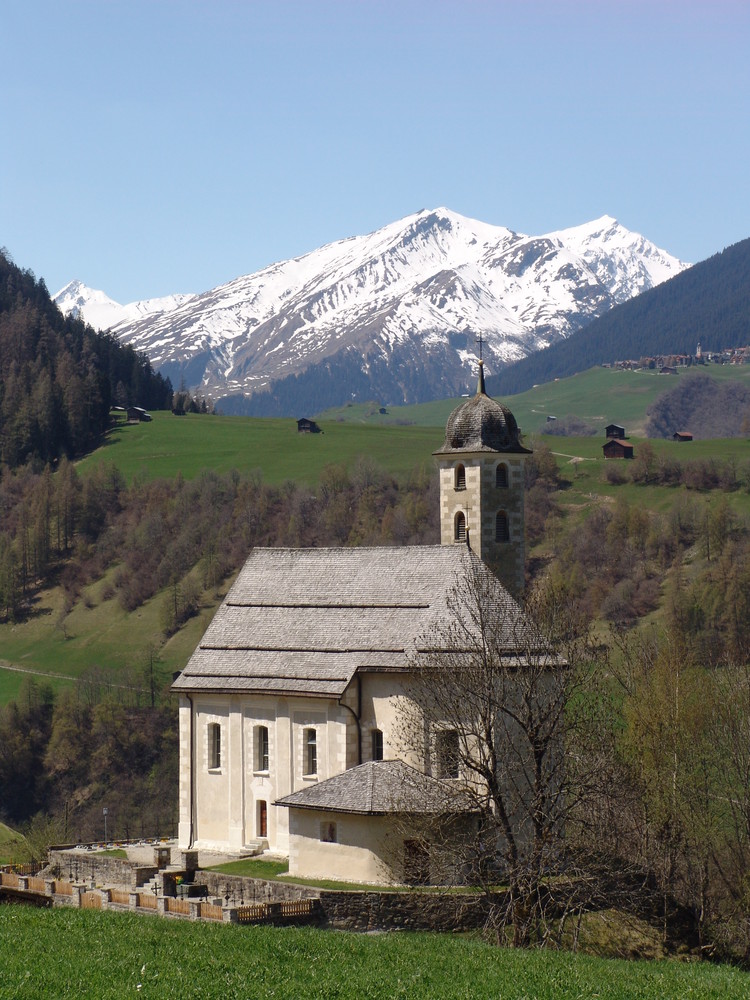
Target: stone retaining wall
{"points": [[412, 911]]}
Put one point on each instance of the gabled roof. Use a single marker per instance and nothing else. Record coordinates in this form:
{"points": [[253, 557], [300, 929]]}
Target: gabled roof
{"points": [[379, 788], [303, 621]]}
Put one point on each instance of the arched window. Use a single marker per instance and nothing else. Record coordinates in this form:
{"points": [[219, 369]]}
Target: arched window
{"points": [[262, 756], [460, 477], [501, 527], [459, 527], [501, 476]]}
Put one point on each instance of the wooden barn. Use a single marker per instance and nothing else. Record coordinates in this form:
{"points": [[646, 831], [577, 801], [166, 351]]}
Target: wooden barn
{"points": [[617, 448], [307, 426], [614, 431]]}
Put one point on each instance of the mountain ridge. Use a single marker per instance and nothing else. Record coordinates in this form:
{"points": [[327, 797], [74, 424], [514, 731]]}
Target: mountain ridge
{"points": [[367, 313]]}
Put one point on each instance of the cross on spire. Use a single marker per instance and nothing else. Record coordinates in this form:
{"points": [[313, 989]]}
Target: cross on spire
{"points": [[480, 341]]}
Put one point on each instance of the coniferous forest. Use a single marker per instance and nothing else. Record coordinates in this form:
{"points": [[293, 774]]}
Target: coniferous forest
{"points": [[59, 377]]}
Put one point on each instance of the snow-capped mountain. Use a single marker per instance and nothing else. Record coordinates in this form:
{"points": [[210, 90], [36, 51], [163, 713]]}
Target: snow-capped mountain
{"points": [[103, 313], [393, 315]]}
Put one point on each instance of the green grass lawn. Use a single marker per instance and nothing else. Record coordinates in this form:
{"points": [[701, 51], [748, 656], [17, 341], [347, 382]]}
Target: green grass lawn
{"points": [[67, 953]]}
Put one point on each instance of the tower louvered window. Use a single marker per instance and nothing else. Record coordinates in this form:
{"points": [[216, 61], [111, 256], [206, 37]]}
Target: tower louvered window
{"points": [[459, 527], [501, 476], [460, 477], [501, 527]]}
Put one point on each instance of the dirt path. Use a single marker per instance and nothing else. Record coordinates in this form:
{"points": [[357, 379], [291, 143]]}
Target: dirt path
{"points": [[4, 665]]}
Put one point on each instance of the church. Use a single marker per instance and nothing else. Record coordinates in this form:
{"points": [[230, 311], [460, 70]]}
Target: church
{"points": [[289, 706]]}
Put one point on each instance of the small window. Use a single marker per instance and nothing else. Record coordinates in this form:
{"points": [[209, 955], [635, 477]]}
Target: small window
{"points": [[501, 527], [377, 744], [261, 749], [460, 477], [459, 527], [446, 751], [262, 818], [311, 751], [214, 745], [501, 476], [328, 833]]}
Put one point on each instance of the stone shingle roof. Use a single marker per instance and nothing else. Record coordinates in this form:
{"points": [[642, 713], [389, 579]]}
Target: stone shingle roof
{"points": [[482, 424], [380, 788], [305, 620]]}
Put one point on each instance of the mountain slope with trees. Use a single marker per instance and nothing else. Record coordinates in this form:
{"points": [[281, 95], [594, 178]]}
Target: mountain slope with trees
{"points": [[710, 303], [58, 377]]}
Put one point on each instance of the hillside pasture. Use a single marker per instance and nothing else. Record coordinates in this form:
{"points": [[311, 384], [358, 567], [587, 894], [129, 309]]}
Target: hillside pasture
{"points": [[169, 446], [599, 396]]}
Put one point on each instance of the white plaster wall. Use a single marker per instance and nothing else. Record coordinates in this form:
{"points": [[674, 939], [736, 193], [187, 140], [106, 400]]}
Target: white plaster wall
{"points": [[226, 798], [359, 855]]}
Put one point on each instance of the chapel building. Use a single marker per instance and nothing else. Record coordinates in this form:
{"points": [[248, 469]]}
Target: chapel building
{"points": [[289, 706]]}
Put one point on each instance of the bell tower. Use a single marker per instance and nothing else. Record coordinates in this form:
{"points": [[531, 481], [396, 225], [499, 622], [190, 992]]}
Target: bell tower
{"points": [[482, 485]]}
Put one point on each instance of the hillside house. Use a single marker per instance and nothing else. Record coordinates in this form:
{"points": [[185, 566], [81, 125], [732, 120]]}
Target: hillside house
{"points": [[617, 448], [682, 436], [307, 426], [614, 431], [136, 414], [289, 705]]}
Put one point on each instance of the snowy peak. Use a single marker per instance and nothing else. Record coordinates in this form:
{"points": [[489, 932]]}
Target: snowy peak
{"points": [[100, 311], [395, 312]]}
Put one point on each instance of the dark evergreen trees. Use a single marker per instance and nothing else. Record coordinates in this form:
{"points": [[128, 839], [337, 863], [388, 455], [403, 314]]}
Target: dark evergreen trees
{"points": [[58, 377]]}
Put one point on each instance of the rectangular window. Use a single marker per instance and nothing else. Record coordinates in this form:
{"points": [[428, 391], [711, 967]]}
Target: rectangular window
{"points": [[446, 752], [214, 745], [311, 751], [328, 833], [377, 744], [261, 749]]}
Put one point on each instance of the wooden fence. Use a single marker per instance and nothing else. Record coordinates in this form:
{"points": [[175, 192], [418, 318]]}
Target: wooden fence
{"points": [[63, 888], [91, 901], [120, 897], [36, 885], [209, 911], [178, 906], [9, 879], [260, 912], [147, 900]]}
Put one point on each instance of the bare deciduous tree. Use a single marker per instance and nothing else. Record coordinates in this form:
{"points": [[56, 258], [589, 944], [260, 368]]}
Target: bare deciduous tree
{"points": [[502, 708]]}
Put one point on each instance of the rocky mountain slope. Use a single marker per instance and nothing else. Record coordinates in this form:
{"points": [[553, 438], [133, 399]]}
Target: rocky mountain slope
{"points": [[393, 315]]}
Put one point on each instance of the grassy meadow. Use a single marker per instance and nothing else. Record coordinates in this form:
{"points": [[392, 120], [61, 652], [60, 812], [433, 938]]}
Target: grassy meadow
{"points": [[169, 446], [67, 953], [599, 396]]}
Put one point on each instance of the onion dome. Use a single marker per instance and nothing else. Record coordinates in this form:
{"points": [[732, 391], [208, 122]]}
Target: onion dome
{"points": [[482, 424]]}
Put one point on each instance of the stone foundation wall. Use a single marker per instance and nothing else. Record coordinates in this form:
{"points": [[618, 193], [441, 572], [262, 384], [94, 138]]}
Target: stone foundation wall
{"points": [[406, 911]]}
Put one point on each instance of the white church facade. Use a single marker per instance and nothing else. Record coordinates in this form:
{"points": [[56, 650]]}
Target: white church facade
{"points": [[289, 707]]}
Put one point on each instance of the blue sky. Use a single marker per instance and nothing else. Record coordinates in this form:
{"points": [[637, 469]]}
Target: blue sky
{"points": [[171, 145]]}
